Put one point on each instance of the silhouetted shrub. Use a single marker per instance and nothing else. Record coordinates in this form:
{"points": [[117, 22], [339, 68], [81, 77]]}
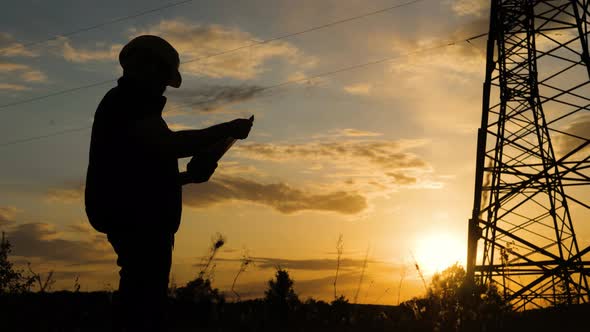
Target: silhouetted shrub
{"points": [[280, 296], [341, 310], [451, 305], [198, 299], [199, 290], [11, 280]]}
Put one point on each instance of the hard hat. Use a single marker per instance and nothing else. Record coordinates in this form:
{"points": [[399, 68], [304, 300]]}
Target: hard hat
{"points": [[156, 46]]}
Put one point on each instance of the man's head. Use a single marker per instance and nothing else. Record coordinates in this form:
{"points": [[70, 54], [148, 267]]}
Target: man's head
{"points": [[151, 58]]}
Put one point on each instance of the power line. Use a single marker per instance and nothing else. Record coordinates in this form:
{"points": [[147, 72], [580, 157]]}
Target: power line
{"points": [[57, 93], [476, 37], [93, 27], [349, 68], [319, 27], [323, 26], [36, 138], [274, 86]]}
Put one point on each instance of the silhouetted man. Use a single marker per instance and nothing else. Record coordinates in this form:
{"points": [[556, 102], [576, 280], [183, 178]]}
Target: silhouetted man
{"points": [[133, 185]]}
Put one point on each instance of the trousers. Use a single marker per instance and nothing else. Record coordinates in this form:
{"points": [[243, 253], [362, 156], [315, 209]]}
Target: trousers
{"points": [[144, 261]]}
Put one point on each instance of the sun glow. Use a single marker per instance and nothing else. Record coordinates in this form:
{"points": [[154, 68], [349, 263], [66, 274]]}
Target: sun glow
{"points": [[437, 251]]}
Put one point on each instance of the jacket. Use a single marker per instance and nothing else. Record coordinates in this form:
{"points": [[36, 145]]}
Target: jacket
{"points": [[132, 184]]}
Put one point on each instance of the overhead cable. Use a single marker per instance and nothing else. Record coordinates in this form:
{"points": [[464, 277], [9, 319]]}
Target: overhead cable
{"points": [[277, 85], [4, 107]]}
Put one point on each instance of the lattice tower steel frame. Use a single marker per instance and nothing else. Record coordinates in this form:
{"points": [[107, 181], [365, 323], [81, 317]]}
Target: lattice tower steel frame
{"points": [[532, 167]]}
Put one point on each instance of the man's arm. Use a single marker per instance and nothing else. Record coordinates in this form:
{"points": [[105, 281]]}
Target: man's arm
{"points": [[197, 171], [185, 143]]}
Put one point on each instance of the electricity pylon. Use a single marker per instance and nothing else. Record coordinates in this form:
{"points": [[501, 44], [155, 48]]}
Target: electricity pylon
{"points": [[532, 181]]}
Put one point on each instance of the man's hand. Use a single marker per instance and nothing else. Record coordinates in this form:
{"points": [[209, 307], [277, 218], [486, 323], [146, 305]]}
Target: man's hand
{"points": [[200, 170], [240, 128], [186, 143]]}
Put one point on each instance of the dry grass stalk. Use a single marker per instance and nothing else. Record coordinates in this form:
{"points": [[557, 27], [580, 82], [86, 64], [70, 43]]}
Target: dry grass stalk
{"points": [[358, 289], [339, 250], [244, 263]]}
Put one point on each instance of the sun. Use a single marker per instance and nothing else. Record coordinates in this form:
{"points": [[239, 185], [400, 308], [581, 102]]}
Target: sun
{"points": [[437, 251]]}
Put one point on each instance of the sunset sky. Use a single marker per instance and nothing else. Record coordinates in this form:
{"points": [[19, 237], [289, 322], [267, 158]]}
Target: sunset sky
{"points": [[383, 154]]}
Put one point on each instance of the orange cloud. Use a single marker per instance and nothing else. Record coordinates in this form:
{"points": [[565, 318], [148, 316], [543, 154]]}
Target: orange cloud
{"points": [[381, 152], [347, 132], [361, 89], [228, 187], [574, 134], [322, 264], [7, 215], [10, 67], [210, 98], [11, 48], [13, 87], [65, 195], [43, 241], [33, 76], [195, 41], [385, 161], [81, 55], [23, 72], [476, 8], [279, 196]]}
